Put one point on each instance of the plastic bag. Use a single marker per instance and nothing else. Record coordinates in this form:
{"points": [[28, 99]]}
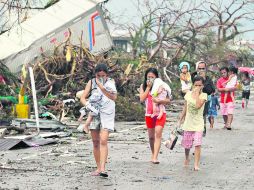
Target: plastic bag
{"points": [[173, 136]]}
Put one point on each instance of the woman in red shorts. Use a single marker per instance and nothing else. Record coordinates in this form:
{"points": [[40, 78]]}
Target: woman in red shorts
{"points": [[154, 126]]}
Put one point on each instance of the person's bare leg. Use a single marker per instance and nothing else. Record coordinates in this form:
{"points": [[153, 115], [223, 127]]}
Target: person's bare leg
{"points": [[212, 121], [243, 101], [103, 148], [232, 96], [80, 118], [87, 123], [161, 111], [229, 121], [225, 118], [197, 157], [151, 136], [157, 143], [247, 101], [187, 157], [96, 148], [209, 119]]}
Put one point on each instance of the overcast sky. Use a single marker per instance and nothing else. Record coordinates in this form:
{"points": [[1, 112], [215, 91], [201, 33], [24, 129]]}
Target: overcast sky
{"points": [[127, 11]]}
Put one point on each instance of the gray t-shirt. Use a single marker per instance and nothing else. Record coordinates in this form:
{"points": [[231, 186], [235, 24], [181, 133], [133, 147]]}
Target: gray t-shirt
{"points": [[246, 85]]}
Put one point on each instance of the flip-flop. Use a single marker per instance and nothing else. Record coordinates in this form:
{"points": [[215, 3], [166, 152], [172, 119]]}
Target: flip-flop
{"points": [[103, 174], [228, 127], [95, 173], [155, 162]]}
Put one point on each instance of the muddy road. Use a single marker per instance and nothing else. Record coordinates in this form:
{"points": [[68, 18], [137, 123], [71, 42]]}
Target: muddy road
{"points": [[227, 161]]}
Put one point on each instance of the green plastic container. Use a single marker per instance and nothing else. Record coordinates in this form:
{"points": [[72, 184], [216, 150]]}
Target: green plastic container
{"points": [[9, 98]]}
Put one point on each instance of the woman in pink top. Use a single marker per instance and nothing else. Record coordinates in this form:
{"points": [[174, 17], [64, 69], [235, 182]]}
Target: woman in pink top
{"points": [[226, 103], [154, 125]]}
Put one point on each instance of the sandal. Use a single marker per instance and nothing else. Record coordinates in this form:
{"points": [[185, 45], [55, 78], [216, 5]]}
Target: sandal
{"points": [[228, 127], [103, 174]]}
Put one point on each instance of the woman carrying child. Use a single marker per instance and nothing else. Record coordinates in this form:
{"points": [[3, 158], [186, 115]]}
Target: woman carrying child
{"points": [[103, 123], [154, 125], [231, 83], [193, 125]]}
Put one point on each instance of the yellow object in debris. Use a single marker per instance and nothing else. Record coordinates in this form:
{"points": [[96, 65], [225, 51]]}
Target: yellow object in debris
{"points": [[68, 54], [22, 110], [128, 69], [23, 71], [21, 99]]}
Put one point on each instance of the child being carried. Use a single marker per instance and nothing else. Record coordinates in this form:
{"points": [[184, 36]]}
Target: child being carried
{"points": [[231, 83], [185, 77], [96, 101], [159, 90]]}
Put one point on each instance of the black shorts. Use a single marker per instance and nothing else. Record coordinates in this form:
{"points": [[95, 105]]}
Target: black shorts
{"points": [[246, 94]]}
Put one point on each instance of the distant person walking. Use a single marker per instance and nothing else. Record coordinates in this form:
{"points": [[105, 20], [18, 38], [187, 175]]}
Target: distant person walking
{"points": [[154, 125], [201, 70], [231, 83], [245, 89], [226, 104], [212, 109], [193, 125]]}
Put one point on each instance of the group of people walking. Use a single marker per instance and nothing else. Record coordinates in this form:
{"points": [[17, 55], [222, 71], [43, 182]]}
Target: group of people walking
{"points": [[198, 91]]}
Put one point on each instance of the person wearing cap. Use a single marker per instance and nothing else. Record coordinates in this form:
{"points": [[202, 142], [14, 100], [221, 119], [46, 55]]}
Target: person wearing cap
{"points": [[201, 70], [185, 77]]}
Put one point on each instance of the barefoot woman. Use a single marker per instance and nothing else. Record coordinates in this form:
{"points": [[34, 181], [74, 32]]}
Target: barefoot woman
{"points": [[154, 126], [193, 125]]}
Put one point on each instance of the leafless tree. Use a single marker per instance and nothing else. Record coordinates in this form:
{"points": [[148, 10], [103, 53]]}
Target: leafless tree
{"points": [[14, 12], [188, 29], [230, 17]]}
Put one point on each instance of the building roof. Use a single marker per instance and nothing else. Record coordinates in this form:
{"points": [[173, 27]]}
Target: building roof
{"points": [[120, 33]]}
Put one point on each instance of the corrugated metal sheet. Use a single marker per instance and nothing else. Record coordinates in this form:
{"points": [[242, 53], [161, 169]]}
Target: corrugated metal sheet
{"points": [[44, 124], [9, 144]]}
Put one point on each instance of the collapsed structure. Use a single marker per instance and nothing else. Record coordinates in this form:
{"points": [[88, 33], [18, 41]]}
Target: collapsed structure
{"points": [[45, 31]]}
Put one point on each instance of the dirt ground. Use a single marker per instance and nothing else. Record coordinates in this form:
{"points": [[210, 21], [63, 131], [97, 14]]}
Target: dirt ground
{"points": [[227, 161]]}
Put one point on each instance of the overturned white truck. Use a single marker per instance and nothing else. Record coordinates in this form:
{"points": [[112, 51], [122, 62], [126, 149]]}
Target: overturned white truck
{"points": [[43, 32]]}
